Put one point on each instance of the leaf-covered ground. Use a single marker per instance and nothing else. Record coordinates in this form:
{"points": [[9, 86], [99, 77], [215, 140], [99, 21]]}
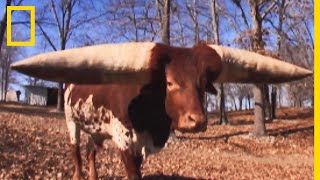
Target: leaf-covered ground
{"points": [[34, 145]]}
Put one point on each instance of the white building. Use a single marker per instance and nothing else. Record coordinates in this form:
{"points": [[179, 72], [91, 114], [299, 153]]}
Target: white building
{"points": [[42, 96]]}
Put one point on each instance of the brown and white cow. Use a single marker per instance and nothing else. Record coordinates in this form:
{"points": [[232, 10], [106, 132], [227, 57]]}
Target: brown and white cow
{"points": [[135, 93]]}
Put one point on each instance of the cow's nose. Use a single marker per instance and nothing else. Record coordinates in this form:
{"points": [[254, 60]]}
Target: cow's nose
{"points": [[191, 119], [195, 120]]}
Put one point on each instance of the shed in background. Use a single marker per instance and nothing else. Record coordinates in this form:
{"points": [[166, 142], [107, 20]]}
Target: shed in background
{"points": [[41, 96]]}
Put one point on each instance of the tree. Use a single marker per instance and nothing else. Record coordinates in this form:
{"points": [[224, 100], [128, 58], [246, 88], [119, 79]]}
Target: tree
{"points": [[298, 47], [3, 24], [259, 11], [131, 20], [259, 89], [7, 57], [66, 17], [215, 28], [193, 13], [292, 31], [281, 7], [165, 23], [6, 53], [243, 91]]}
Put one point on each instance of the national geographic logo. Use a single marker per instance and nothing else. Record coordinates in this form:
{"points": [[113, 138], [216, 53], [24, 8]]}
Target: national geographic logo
{"points": [[32, 25]]}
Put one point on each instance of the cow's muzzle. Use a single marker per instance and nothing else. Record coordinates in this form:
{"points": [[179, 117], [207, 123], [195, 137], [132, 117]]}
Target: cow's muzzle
{"points": [[194, 123]]}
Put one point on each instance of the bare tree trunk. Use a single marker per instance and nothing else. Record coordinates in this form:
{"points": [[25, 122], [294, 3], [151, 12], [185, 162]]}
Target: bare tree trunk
{"points": [[273, 102], [7, 75], [223, 114], [2, 83], [60, 101], [3, 24], [165, 23], [64, 30], [215, 28], [60, 97], [196, 24], [6, 82], [193, 13], [279, 97], [280, 38], [259, 124], [300, 102], [206, 102], [235, 104], [1, 80], [246, 105], [267, 102], [217, 104], [258, 91], [240, 103]]}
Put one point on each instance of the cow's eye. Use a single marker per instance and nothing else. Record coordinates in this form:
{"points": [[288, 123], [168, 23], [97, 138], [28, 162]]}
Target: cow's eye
{"points": [[171, 86]]}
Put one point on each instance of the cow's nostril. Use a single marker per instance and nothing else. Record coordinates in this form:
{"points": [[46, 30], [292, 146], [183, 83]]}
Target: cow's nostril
{"points": [[195, 122], [191, 119]]}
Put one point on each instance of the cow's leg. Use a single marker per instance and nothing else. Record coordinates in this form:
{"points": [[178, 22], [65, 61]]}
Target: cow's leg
{"points": [[132, 164], [74, 133], [91, 156]]}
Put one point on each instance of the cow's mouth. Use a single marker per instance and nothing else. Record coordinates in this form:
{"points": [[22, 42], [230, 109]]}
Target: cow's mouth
{"points": [[200, 128]]}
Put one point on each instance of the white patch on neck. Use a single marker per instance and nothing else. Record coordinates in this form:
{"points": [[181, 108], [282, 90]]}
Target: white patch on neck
{"points": [[143, 144], [120, 134]]}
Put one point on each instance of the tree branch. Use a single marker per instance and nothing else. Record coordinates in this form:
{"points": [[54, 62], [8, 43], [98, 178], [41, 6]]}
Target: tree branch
{"points": [[309, 33], [56, 17], [243, 15], [46, 36], [86, 20], [272, 5]]}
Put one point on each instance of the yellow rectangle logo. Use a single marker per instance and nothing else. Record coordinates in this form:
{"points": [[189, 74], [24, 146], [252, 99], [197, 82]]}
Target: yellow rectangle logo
{"points": [[32, 25]]}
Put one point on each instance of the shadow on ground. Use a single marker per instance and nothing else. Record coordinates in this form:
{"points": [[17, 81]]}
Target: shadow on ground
{"points": [[281, 132], [152, 177], [165, 177]]}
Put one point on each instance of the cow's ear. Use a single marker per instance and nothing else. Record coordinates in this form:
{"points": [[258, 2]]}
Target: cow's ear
{"points": [[211, 89], [99, 64]]}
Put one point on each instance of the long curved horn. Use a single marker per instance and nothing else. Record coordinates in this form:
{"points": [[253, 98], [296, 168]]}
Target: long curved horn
{"points": [[108, 63], [241, 66]]}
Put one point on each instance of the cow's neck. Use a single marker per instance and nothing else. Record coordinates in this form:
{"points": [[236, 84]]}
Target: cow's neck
{"points": [[147, 112]]}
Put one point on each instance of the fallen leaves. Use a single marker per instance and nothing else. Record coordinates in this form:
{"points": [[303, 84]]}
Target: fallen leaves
{"points": [[34, 145]]}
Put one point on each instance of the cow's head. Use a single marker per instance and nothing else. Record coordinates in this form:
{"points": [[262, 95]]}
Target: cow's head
{"points": [[186, 72], [184, 96], [188, 78]]}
